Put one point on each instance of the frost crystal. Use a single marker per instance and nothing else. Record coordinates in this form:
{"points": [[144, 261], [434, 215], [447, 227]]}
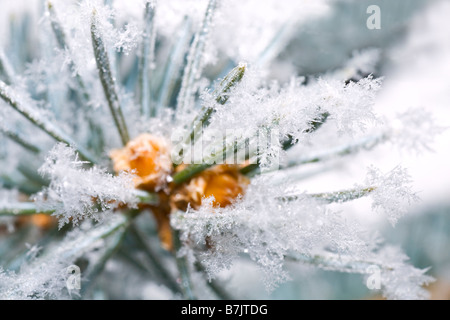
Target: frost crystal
{"points": [[393, 194], [290, 110], [46, 274], [76, 193], [270, 229], [400, 280]]}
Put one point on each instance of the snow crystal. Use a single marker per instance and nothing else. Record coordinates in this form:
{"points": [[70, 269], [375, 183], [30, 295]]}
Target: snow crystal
{"points": [[46, 274], [393, 194], [289, 110], [399, 280], [266, 230], [75, 193]]}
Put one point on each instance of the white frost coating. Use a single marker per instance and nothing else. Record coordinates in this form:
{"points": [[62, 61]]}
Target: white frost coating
{"points": [[45, 275], [351, 106], [125, 39], [292, 107], [195, 63], [399, 280], [393, 194], [289, 110], [76, 193], [386, 270], [268, 230]]}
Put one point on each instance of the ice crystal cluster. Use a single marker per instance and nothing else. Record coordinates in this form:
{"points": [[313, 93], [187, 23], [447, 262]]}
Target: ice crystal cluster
{"points": [[124, 121]]}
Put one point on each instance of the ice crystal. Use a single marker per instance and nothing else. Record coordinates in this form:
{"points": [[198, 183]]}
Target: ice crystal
{"points": [[75, 193], [401, 280], [393, 193], [289, 110], [270, 228], [46, 274]]}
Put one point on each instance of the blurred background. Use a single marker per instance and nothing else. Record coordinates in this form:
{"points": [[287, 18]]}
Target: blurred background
{"points": [[413, 46]]}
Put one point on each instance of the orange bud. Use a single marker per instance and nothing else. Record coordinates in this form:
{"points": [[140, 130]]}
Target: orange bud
{"points": [[43, 221], [148, 157], [224, 182]]}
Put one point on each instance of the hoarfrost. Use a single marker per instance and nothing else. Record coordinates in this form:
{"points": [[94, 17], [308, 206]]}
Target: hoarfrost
{"points": [[46, 273], [267, 230], [400, 280], [76, 193], [393, 194]]}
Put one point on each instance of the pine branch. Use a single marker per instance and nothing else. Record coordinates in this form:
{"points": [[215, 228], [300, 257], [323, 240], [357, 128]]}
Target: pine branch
{"points": [[193, 68], [6, 70], [63, 45], [145, 197], [21, 209], [8, 95], [82, 92], [336, 197], [56, 27], [221, 95], [230, 149], [125, 254], [107, 79], [288, 143], [183, 268], [218, 290], [335, 262], [173, 65], [26, 188], [98, 268], [31, 174], [366, 143], [17, 138], [161, 272], [189, 172], [146, 61]]}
